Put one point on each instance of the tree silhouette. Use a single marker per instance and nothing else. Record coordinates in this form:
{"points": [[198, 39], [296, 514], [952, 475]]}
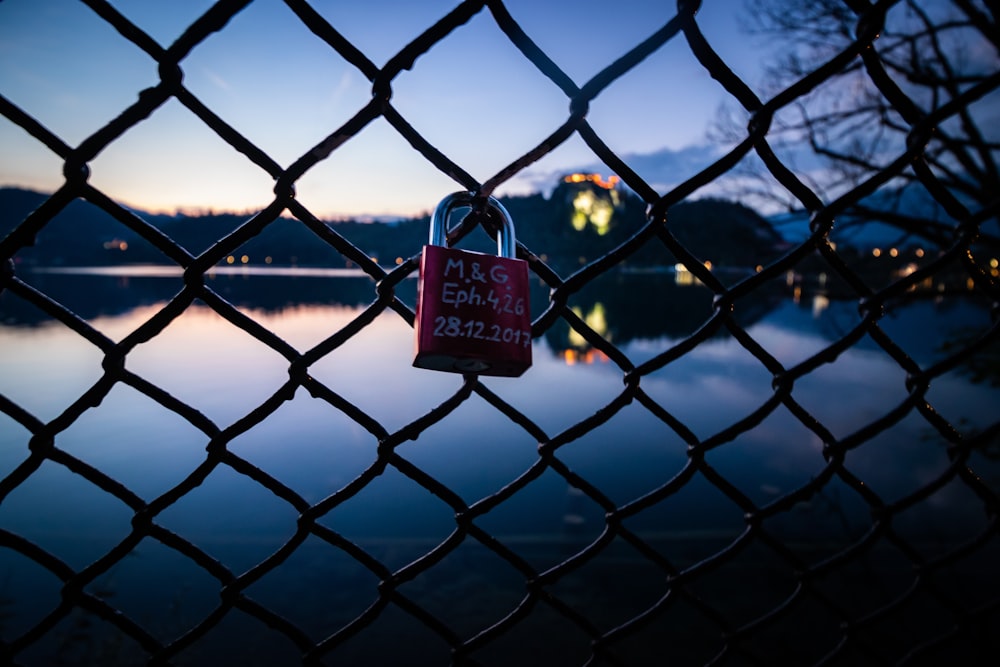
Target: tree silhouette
{"points": [[933, 70]]}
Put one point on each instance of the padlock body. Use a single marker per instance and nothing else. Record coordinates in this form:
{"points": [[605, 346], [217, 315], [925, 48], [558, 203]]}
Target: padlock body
{"points": [[473, 314]]}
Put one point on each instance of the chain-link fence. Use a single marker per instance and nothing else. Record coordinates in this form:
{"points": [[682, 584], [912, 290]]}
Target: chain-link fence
{"points": [[754, 596]]}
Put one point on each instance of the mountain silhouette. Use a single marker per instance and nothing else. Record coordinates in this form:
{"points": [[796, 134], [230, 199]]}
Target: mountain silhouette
{"points": [[578, 223]]}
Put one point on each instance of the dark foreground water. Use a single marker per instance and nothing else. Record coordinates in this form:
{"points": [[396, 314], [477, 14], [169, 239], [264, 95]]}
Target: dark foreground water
{"points": [[206, 362]]}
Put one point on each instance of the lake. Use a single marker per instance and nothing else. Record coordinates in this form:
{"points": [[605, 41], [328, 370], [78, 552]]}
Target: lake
{"points": [[314, 449]]}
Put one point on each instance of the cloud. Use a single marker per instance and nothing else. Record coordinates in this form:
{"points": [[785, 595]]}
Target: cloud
{"points": [[667, 167], [217, 80], [662, 169], [339, 91]]}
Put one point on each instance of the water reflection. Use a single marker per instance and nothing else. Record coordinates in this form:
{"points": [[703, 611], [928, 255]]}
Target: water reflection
{"points": [[203, 360], [621, 307]]}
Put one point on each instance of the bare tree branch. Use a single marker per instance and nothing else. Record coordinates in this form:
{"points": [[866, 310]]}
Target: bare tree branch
{"points": [[927, 55]]}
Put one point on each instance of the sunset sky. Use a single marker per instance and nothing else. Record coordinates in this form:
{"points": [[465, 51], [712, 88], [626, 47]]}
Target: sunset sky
{"points": [[474, 96]]}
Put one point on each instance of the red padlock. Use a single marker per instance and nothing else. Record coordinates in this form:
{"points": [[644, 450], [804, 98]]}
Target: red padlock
{"points": [[473, 314]]}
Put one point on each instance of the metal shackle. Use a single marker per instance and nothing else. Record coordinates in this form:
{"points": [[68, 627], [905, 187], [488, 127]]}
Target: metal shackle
{"points": [[506, 242]]}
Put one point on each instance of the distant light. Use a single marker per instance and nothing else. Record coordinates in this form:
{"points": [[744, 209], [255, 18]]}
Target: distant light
{"points": [[876, 252], [683, 276], [597, 319], [597, 355], [576, 340], [399, 260], [230, 259], [708, 264], [267, 260], [601, 217], [820, 303], [919, 252], [758, 268], [994, 263], [582, 205], [588, 209], [893, 252], [124, 246], [245, 259], [596, 179]]}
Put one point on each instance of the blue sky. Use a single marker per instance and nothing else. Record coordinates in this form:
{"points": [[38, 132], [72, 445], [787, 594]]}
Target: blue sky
{"points": [[474, 96]]}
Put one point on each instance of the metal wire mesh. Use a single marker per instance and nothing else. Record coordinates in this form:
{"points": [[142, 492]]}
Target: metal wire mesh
{"points": [[809, 613]]}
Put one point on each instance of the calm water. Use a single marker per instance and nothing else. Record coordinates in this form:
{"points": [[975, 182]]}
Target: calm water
{"points": [[206, 362]]}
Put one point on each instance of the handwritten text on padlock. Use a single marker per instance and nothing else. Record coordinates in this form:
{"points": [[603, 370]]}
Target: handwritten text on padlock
{"points": [[468, 286], [476, 287]]}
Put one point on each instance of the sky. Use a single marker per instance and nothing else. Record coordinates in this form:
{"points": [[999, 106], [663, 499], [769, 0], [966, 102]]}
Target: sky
{"points": [[473, 95]]}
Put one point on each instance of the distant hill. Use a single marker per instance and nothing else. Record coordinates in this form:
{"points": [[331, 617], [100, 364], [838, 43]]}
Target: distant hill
{"points": [[85, 235], [861, 229], [578, 223]]}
